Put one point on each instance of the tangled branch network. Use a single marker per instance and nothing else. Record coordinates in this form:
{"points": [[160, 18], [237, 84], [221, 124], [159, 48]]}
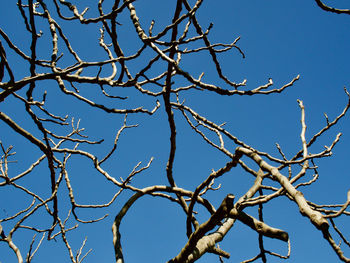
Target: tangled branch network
{"points": [[135, 73]]}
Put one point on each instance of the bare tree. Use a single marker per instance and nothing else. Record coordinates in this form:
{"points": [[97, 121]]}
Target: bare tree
{"points": [[137, 74]]}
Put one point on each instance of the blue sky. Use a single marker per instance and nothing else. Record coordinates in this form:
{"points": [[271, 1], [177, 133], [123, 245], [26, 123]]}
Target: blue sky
{"points": [[281, 39]]}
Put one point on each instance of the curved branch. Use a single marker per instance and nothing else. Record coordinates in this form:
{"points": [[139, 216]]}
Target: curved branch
{"points": [[332, 9]]}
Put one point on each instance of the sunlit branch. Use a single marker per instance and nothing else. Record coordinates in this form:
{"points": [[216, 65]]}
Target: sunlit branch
{"points": [[332, 9], [140, 67]]}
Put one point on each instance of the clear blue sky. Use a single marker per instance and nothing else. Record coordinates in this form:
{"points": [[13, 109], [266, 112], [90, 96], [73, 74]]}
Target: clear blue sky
{"points": [[280, 39]]}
